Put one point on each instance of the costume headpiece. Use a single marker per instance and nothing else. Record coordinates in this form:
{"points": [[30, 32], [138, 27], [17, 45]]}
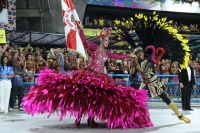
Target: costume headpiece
{"points": [[157, 35], [105, 32]]}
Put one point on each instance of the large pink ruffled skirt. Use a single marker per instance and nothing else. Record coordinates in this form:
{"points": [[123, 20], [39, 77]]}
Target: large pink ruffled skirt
{"points": [[88, 93]]}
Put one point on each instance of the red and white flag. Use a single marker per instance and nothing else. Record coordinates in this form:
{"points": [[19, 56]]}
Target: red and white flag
{"points": [[70, 19]]}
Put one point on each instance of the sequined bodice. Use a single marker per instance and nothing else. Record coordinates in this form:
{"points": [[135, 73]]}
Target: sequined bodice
{"points": [[97, 61]]}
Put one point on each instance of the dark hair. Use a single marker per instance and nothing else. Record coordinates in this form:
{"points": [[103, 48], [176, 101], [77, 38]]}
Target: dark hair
{"points": [[8, 64], [119, 65], [103, 37]]}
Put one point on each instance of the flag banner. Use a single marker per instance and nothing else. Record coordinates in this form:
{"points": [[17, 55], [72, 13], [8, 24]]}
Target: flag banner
{"points": [[70, 20], [2, 36]]}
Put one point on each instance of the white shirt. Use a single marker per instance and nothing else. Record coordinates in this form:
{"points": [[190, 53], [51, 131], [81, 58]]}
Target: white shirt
{"points": [[189, 73]]}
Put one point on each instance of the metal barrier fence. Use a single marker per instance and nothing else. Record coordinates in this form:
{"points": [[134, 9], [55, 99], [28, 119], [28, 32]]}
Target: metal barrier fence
{"points": [[173, 87]]}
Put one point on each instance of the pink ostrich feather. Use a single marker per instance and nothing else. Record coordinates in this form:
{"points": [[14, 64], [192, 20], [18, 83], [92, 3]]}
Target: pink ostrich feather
{"points": [[88, 93]]}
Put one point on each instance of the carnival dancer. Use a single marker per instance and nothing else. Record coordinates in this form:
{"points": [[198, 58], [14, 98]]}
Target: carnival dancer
{"points": [[159, 40], [90, 92]]}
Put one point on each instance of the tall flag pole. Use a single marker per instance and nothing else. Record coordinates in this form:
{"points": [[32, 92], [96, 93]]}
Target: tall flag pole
{"points": [[71, 21]]}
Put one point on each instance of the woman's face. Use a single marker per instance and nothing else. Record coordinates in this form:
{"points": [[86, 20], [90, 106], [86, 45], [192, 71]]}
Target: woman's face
{"points": [[29, 57], [6, 53], [15, 56], [162, 67], [58, 68], [10, 51], [5, 60], [105, 42], [40, 58], [66, 56], [126, 68], [21, 55], [81, 59], [37, 52], [140, 55], [17, 64]]}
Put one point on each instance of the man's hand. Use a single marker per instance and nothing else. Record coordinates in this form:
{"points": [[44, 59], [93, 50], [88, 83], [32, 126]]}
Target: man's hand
{"points": [[181, 85]]}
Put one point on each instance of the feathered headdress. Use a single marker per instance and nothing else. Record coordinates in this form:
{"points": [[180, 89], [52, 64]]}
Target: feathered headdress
{"points": [[157, 34], [105, 32]]}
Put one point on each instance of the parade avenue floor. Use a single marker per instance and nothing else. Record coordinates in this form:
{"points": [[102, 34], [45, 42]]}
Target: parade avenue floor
{"points": [[163, 118]]}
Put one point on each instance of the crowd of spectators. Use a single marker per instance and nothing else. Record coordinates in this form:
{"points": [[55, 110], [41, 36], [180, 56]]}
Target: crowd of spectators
{"points": [[32, 60], [108, 21]]}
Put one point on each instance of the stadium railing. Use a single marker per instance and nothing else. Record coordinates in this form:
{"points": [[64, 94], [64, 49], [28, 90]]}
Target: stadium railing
{"points": [[173, 87]]}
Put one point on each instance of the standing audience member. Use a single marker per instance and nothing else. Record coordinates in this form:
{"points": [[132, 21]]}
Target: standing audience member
{"points": [[17, 88], [118, 70], [29, 69], [40, 63], [6, 73], [81, 64], [187, 83]]}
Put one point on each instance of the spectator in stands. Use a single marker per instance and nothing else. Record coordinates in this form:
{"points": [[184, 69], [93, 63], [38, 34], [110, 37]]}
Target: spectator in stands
{"points": [[10, 54], [40, 63], [73, 63], [22, 59], [6, 73], [118, 70], [29, 69], [87, 20], [95, 22], [101, 22], [58, 67], [6, 53], [133, 72], [81, 64], [174, 88], [2, 50], [164, 70], [126, 71], [174, 68], [50, 61], [126, 63]]}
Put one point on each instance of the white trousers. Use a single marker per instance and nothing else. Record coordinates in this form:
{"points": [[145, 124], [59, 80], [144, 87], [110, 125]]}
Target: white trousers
{"points": [[5, 90]]}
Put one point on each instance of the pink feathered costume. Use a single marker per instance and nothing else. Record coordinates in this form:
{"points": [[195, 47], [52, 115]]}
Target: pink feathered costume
{"points": [[89, 92]]}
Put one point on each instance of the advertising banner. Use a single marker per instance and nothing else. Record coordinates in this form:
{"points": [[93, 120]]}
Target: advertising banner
{"points": [[158, 5]]}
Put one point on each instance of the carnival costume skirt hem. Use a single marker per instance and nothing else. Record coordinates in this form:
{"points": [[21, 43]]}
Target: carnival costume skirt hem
{"points": [[85, 92]]}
